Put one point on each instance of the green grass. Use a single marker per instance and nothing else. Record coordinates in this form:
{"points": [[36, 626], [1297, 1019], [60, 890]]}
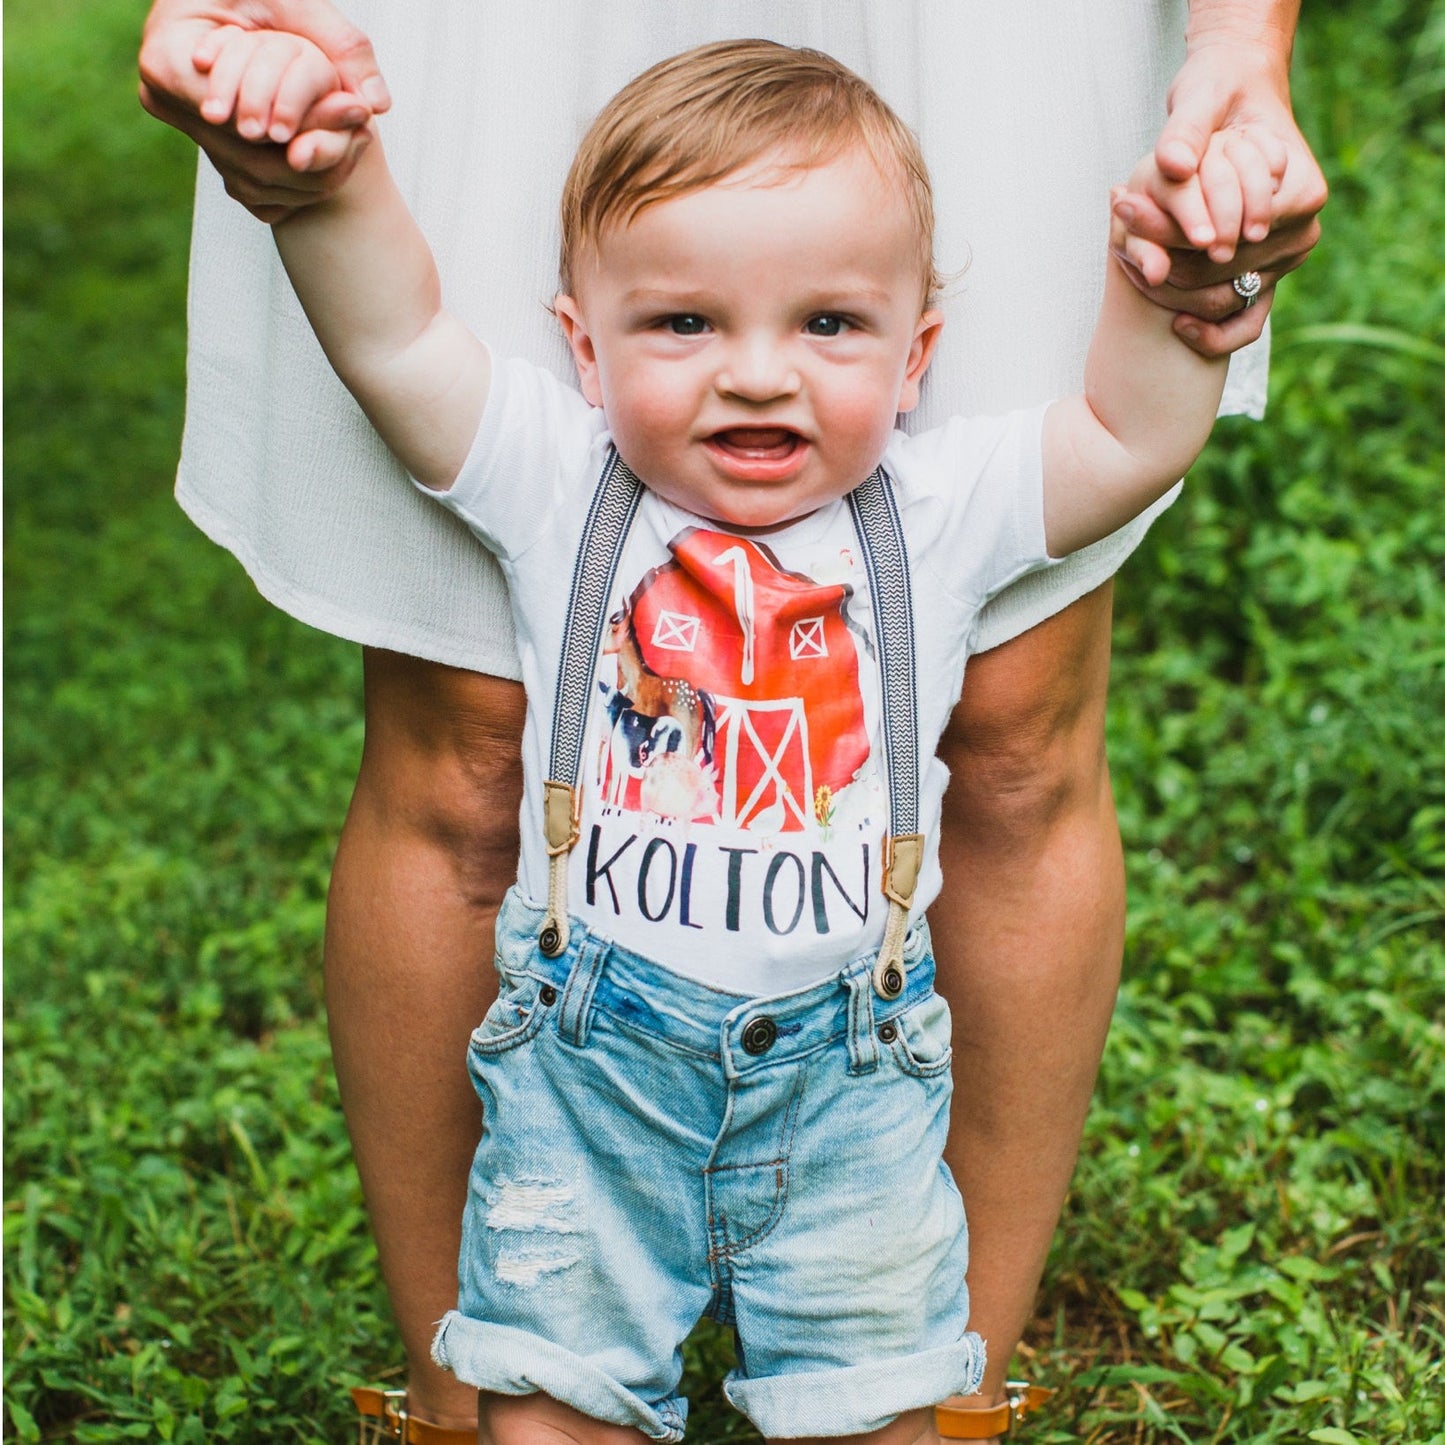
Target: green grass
{"points": [[1253, 1250]]}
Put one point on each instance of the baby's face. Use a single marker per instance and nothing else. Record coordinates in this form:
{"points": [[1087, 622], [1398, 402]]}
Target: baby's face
{"points": [[753, 341]]}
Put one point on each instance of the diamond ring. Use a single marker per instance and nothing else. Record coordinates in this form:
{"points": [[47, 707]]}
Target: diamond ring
{"points": [[1247, 287]]}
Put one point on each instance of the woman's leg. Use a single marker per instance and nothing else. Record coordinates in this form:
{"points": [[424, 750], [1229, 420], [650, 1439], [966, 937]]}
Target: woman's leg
{"points": [[1029, 935], [427, 851]]}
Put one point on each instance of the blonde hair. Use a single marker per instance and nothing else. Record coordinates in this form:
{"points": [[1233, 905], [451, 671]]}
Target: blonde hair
{"points": [[693, 119]]}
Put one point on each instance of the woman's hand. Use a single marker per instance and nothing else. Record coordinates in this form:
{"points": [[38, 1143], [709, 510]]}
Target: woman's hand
{"points": [[271, 179], [1231, 187]]}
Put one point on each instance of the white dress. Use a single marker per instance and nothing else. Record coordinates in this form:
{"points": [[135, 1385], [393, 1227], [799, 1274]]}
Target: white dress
{"points": [[1027, 113]]}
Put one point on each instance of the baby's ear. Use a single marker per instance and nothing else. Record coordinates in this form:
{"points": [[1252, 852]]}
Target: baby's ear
{"points": [[925, 340], [584, 354]]}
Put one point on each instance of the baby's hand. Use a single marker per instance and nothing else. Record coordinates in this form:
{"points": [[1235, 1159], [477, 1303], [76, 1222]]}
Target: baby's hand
{"points": [[1227, 202], [265, 82]]}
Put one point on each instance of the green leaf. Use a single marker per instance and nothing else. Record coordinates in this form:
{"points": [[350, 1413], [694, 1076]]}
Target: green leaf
{"points": [[23, 1421], [1384, 338]]}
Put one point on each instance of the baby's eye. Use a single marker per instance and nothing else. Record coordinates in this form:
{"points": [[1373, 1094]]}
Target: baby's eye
{"points": [[686, 324], [826, 325]]}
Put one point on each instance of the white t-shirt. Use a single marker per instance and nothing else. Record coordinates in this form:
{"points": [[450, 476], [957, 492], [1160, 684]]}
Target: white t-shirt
{"points": [[1026, 111], [734, 789]]}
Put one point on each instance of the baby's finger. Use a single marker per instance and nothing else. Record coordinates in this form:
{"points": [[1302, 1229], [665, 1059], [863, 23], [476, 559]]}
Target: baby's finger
{"points": [[214, 41], [341, 110], [1186, 203], [308, 78], [1223, 195], [1146, 262], [1149, 260], [1143, 216], [1276, 152], [314, 151], [227, 69], [270, 60], [1256, 185]]}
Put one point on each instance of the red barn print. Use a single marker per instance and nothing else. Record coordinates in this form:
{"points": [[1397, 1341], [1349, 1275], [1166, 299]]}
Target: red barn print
{"points": [[737, 696]]}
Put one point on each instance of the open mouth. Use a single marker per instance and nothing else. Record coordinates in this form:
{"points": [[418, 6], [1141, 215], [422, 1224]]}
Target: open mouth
{"points": [[757, 443], [758, 453]]}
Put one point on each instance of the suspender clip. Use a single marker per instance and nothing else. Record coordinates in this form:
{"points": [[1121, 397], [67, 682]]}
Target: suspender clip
{"points": [[561, 824], [902, 862]]}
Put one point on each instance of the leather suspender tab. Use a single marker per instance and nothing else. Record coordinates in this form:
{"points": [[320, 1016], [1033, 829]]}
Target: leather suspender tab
{"points": [[902, 863], [560, 821]]}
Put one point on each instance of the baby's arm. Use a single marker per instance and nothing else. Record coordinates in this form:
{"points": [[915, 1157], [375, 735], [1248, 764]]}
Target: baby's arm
{"points": [[361, 268], [1148, 403]]}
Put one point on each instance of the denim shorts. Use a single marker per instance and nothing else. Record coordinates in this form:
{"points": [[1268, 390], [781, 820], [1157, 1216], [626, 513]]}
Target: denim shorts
{"points": [[656, 1150]]}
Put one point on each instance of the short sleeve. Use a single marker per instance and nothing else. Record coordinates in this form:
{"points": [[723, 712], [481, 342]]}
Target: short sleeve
{"points": [[536, 452], [974, 487]]}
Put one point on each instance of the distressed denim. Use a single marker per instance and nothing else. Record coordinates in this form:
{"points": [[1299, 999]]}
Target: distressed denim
{"points": [[656, 1150]]}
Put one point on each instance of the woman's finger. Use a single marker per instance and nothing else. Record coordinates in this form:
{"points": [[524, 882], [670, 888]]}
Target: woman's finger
{"points": [[1222, 338]]}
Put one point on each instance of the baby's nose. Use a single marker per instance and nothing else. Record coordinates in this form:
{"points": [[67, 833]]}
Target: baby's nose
{"points": [[757, 370]]}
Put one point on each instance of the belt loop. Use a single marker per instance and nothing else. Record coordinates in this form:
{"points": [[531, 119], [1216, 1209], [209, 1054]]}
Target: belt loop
{"points": [[575, 1016], [862, 1040]]}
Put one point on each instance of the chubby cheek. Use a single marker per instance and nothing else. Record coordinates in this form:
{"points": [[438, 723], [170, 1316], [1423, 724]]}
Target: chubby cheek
{"points": [[859, 423], [646, 417]]}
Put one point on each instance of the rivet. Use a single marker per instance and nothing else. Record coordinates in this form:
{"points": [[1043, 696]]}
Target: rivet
{"points": [[547, 994], [759, 1036], [887, 1032]]}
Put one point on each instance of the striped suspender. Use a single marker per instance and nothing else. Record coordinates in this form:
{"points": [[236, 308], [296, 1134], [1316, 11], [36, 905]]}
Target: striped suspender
{"points": [[609, 519], [885, 558]]}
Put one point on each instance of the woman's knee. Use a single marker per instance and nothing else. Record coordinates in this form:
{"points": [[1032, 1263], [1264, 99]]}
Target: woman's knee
{"points": [[441, 765], [1025, 745]]}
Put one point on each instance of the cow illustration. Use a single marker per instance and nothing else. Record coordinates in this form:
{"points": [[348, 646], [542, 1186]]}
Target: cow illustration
{"points": [[650, 695]]}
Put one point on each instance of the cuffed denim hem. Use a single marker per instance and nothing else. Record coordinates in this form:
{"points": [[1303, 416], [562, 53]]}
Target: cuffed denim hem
{"points": [[508, 1361], [855, 1398]]}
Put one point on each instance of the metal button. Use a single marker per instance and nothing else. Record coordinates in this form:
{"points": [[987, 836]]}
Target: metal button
{"points": [[547, 994], [892, 982], [550, 940], [887, 1032], [759, 1036]]}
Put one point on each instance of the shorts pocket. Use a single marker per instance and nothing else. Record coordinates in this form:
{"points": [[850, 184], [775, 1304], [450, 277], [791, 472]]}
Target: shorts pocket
{"points": [[519, 1011], [922, 1038]]}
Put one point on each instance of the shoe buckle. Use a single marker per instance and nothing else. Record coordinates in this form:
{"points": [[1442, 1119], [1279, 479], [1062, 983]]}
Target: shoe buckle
{"points": [[1017, 1400], [389, 1425]]}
